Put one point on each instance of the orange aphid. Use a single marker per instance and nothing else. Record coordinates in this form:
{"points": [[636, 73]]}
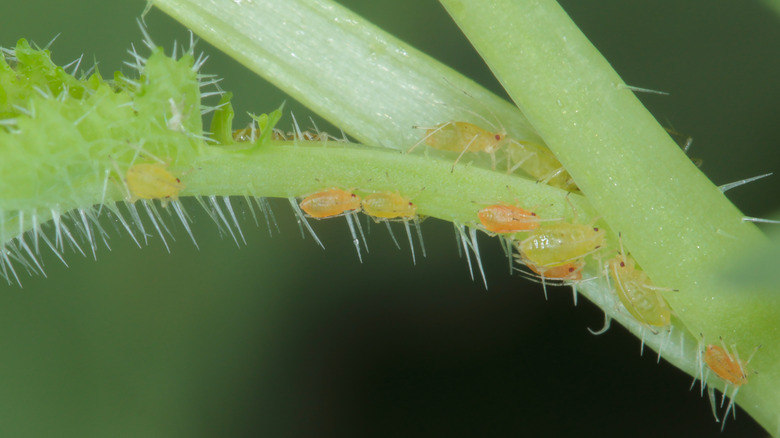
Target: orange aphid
{"points": [[568, 272], [386, 205], [727, 367], [330, 203], [505, 218]]}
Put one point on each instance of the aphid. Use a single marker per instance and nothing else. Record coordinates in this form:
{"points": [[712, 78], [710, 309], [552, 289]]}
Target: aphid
{"points": [[533, 159], [463, 137], [505, 218], [568, 273], [540, 163], [561, 243], [336, 202], [386, 206], [152, 181], [728, 367], [248, 134], [636, 292], [330, 203]]}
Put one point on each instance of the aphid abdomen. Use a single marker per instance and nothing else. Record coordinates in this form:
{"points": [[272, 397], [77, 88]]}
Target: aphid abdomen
{"points": [[330, 203], [152, 181]]}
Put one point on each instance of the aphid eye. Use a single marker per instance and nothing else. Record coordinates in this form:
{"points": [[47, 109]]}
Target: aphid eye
{"points": [[533, 214], [498, 136], [622, 264], [178, 180], [354, 196], [596, 229]]}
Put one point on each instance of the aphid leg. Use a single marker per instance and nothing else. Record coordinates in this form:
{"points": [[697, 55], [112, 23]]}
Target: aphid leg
{"points": [[301, 221], [544, 286], [465, 149], [607, 323], [660, 349], [713, 403], [411, 244], [547, 178], [392, 236], [520, 163], [475, 248], [355, 239], [507, 246], [729, 186], [574, 293]]}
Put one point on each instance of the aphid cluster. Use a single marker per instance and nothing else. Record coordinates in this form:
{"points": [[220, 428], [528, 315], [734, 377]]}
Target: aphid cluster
{"points": [[381, 206], [531, 158]]}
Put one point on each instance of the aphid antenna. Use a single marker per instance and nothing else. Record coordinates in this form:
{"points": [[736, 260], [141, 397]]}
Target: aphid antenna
{"points": [[434, 131], [302, 221], [474, 113], [642, 90], [723, 188]]}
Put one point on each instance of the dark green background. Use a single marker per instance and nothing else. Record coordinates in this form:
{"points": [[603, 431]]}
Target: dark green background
{"points": [[280, 338]]}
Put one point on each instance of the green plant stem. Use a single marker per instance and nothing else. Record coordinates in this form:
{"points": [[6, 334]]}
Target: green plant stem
{"points": [[369, 83], [676, 223]]}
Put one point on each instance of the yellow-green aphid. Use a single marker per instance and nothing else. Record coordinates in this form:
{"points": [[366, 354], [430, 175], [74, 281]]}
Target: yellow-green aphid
{"points": [[561, 243], [636, 291], [463, 137], [540, 163], [152, 181]]}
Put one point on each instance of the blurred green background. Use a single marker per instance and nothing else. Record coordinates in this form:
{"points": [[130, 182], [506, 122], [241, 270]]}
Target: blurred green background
{"points": [[280, 338]]}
